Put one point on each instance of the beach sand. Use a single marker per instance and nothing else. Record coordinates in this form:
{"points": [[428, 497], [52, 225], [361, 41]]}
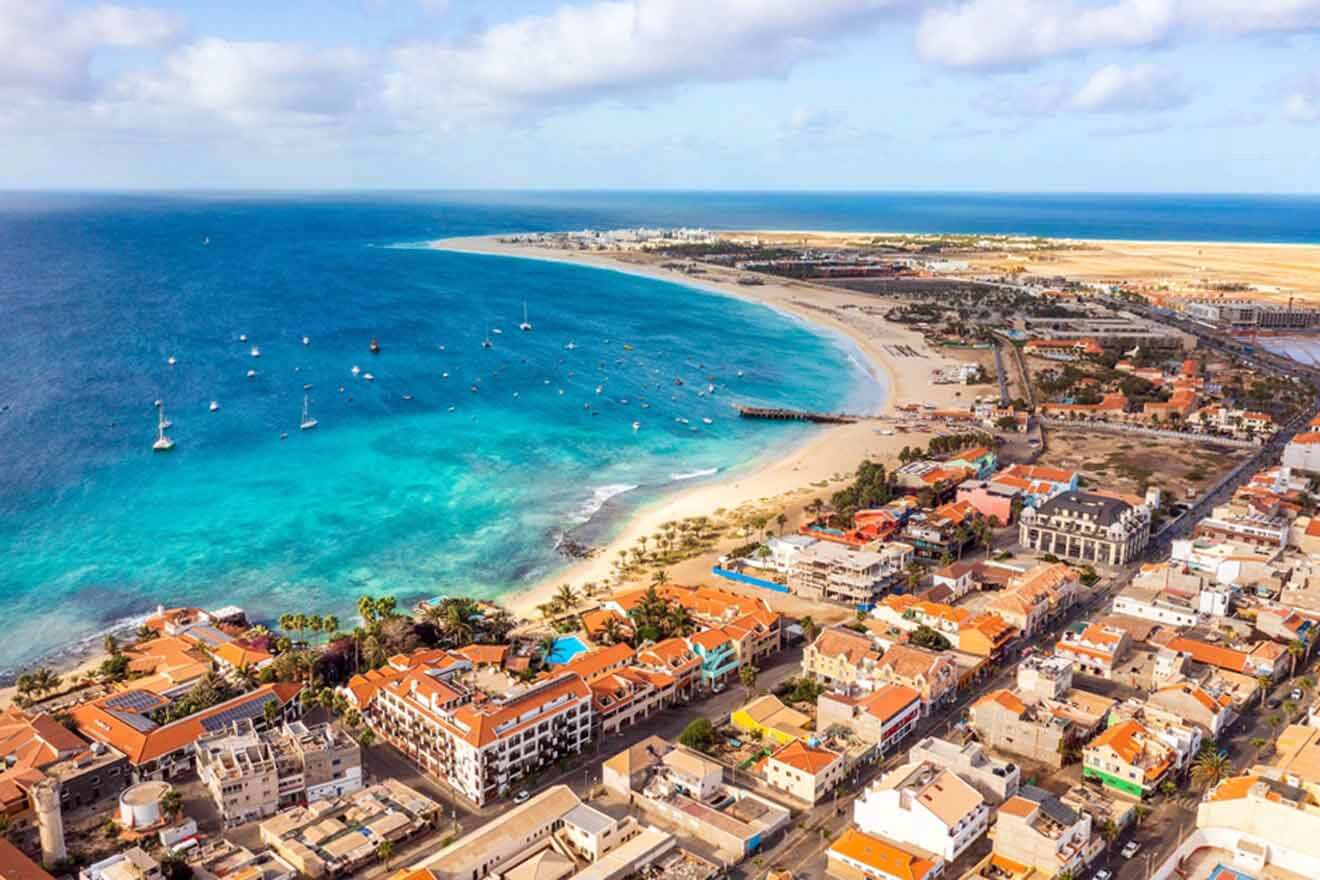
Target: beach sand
{"points": [[814, 470]]}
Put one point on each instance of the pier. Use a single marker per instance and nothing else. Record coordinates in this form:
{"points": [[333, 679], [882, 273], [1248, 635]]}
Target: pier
{"points": [[795, 415]]}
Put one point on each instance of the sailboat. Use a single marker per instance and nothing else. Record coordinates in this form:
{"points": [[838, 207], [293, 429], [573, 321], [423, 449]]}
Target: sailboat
{"points": [[256, 352], [486, 343], [307, 422], [525, 326], [163, 443]]}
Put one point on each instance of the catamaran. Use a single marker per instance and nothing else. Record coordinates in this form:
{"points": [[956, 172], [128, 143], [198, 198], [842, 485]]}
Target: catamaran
{"points": [[307, 422], [525, 326], [163, 443]]}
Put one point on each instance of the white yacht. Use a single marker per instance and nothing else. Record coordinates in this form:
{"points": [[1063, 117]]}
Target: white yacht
{"points": [[307, 341], [251, 374], [171, 360], [356, 369], [307, 422], [163, 443], [215, 406], [525, 326], [256, 352]]}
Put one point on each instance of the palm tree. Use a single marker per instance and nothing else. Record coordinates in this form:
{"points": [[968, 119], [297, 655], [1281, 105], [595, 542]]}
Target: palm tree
{"points": [[747, 675], [385, 852], [679, 621], [366, 607], [1264, 682], [289, 623], [809, 629], [610, 630], [111, 645], [171, 803], [567, 596], [1109, 831], [247, 676], [385, 607], [329, 625], [659, 578], [781, 520], [1211, 767]]}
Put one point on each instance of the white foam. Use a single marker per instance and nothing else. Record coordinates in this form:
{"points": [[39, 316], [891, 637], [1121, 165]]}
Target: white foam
{"points": [[600, 496], [693, 475]]}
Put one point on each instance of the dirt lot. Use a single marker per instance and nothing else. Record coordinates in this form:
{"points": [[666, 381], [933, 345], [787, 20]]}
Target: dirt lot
{"points": [[1126, 464]]}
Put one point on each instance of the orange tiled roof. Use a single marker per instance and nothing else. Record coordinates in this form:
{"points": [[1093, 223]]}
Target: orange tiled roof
{"points": [[1211, 655], [1234, 788], [1005, 698], [477, 724], [484, 655], [238, 655], [599, 661], [801, 756], [882, 856], [888, 701], [1307, 439], [837, 642]]}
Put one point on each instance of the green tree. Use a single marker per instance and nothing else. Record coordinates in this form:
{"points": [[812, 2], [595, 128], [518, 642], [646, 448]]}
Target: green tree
{"points": [[171, 803], [385, 852], [747, 674], [699, 734], [809, 629], [781, 520], [1210, 768], [926, 637]]}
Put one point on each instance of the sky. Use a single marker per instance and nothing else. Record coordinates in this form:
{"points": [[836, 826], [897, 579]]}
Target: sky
{"points": [[1040, 95]]}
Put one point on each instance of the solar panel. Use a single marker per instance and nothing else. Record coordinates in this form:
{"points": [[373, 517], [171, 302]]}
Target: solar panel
{"points": [[140, 723], [135, 701], [241, 712]]}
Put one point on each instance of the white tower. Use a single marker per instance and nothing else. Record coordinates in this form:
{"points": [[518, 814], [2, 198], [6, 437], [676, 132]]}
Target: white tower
{"points": [[50, 821]]}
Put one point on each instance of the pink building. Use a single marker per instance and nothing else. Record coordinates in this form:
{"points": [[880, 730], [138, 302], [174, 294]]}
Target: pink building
{"points": [[989, 499]]}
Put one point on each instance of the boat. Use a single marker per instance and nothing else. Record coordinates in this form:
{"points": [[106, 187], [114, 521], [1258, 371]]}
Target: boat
{"points": [[710, 389], [444, 375], [163, 443], [374, 346], [407, 397], [515, 395], [525, 326], [646, 406], [451, 409], [678, 381], [486, 343], [680, 420], [571, 346], [206, 240], [170, 360], [214, 406], [637, 426], [306, 341], [707, 421], [256, 352], [627, 346], [497, 331], [369, 377], [600, 389], [307, 422], [251, 374], [356, 369], [242, 337]]}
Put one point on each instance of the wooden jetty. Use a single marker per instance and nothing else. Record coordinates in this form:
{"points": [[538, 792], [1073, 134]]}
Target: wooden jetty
{"points": [[795, 415]]}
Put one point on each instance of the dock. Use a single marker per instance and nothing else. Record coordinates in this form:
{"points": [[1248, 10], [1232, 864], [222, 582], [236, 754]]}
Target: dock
{"points": [[795, 415]]}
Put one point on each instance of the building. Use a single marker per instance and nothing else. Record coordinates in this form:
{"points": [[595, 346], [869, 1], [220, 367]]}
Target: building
{"points": [[1212, 713], [1264, 660], [15, 865], [336, 836], [1244, 525], [857, 855], [842, 658], [805, 771], [933, 674], [480, 745], [123, 721], [1263, 822], [1128, 758], [885, 716], [675, 658], [1095, 649], [1087, 528], [987, 635], [1035, 483], [252, 774], [687, 790], [1157, 606], [554, 836], [996, 780], [1040, 728], [829, 572], [767, 717], [1303, 453], [1063, 349], [131, 864], [718, 652], [926, 806], [1037, 830], [994, 501], [1036, 596], [945, 532]]}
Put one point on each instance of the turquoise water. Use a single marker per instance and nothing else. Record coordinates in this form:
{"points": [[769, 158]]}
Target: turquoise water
{"points": [[564, 650], [413, 484]]}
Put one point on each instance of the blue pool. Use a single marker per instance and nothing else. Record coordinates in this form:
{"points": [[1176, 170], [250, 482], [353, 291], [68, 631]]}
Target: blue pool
{"points": [[565, 649], [1223, 872]]}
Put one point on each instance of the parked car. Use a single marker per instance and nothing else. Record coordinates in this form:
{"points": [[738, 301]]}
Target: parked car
{"points": [[1130, 849], [1273, 703], [1103, 874], [1296, 694], [522, 796]]}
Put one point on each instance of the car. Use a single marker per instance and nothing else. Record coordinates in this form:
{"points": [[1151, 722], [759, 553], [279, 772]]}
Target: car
{"points": [[1273, 703], [1130, 849], [1296, 694], [522, 796], [1103, 874]]}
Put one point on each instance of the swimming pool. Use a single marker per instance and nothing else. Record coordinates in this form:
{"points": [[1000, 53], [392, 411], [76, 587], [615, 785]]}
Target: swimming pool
{"points": [[565, 649], [1223, 872]]}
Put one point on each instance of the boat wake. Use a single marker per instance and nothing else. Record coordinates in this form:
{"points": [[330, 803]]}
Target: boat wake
{"points": [[694, 475]]}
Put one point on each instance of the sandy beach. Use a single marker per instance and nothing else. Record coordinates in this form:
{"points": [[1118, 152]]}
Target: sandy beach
{"points": [[789, 482]]}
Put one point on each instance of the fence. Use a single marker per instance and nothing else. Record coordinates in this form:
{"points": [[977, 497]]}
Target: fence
{"points": [[1112, 428], [749, 580]]}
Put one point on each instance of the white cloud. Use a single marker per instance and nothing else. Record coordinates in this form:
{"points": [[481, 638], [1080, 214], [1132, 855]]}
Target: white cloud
{"points": [[1140, 88], [46, 49], [249, 84], [1302, 101], [582, 52], [1016, 33]]}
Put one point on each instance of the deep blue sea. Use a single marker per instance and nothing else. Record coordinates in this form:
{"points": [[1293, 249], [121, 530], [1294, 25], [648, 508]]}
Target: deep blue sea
{"points": [[415, 483]]}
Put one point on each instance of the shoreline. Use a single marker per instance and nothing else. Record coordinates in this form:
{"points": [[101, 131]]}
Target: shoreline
{"points": [[814, 468]]}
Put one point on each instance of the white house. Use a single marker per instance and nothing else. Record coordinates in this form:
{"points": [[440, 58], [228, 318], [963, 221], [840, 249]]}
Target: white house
{"points": [[924, 805]]}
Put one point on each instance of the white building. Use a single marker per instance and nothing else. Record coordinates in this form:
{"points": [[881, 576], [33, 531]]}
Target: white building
{"points": [[1303, 453], [924, 805], [1153, 605]]}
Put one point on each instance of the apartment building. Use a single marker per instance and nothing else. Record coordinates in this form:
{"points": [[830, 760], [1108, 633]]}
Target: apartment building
{"points": [[829, 572], [1157, 606], [1174, 731], [1129, 758], [805, 771], [1245, 525], [842, 658], [1039, 728], [1087, 528], [996, 780], [1270, 821], [925, 806], [932, 674], [857, 855], [1037, 484], [1036, 596], [675, 658], [1213, 713], [1034, 828], [252, 774], [482, 745], [885, 716], [1095, 649], [907, 612]]}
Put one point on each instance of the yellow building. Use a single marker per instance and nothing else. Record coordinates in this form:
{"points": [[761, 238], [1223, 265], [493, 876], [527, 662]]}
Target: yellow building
{"points": [[767, 717]]}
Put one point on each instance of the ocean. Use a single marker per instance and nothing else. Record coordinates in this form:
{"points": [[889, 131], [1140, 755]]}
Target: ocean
{"points": [[417, 483]]}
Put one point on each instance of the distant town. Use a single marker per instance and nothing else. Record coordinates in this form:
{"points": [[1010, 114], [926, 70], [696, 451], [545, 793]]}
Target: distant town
{"points": [[1064, 628]]}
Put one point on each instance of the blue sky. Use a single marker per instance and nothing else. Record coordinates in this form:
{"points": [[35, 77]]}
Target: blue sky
{"points": [[1081, 95]]}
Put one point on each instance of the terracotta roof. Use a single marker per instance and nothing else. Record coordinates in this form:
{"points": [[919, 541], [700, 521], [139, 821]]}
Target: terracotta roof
{"points": [[672, 653], [594, 621], [882, 856], [801, 756], [838, 642], [142, 741], [598, 662], [910, 662], [1307, 439], [1234, 787], [1129, 740], [36, 741], [238, 655], [888, 701], [14, 865], [484, 655], [477, 723], [1005, 698], [1018, 806], [710, 639], [1211, 655]]}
